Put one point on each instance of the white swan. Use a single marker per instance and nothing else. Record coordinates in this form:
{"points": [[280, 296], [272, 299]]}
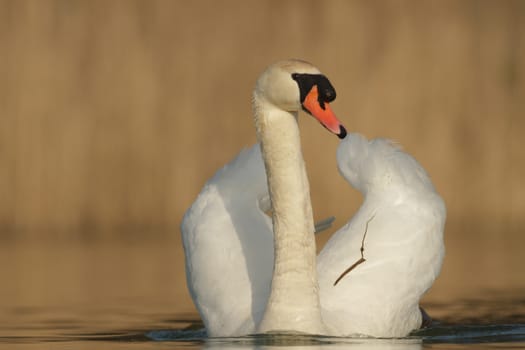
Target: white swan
{"points": [[244, 278]]}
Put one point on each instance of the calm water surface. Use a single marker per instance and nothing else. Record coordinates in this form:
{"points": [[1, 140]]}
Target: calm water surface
{"points": [[498, 325], [132, 295]]}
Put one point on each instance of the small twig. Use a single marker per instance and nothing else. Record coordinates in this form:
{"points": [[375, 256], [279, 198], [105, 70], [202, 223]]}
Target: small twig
{"points": [[362, 259]]}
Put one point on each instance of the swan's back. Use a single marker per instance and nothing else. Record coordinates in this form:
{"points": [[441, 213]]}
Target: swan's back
{"points": [[228, 246], [403, 247]]}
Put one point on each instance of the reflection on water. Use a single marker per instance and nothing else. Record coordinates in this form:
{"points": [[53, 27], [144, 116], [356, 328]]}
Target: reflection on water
{"points": [[492, 333], [109, 295], [288, 340], [464, 322], [131, 326], [494, 307], [305, 342]]}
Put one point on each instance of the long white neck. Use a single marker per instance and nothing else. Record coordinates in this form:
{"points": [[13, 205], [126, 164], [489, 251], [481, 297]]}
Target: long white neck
{"points": [[293, 304]]}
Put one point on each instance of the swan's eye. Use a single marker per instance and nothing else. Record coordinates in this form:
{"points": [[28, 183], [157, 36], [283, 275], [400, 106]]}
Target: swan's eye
{"points": [[326, 90], [307, 81]]}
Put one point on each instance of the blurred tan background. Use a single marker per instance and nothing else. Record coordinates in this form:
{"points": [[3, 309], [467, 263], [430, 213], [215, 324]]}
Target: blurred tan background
{"points": [[113, 114]]}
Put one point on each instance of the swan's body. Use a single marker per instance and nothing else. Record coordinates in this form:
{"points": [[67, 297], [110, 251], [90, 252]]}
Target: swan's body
{"points": [[404, 219], [244, 278], [228, 243]]}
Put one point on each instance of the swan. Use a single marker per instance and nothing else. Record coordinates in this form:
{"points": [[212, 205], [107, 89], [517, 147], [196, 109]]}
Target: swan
{"points": [[249, 274]]}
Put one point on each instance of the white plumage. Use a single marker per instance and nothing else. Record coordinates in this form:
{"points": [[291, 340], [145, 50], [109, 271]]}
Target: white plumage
{"points": [[229, 248], [229, 244], [403, 246]]}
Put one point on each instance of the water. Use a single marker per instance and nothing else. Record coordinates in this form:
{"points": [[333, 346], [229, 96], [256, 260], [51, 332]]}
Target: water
{"points": [[31, 328], [480, 324], [132, 295]]}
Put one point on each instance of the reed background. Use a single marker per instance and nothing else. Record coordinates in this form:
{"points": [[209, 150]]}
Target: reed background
{"points": [[113, 114]]}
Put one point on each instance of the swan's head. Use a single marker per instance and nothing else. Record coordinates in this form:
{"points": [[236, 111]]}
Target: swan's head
{"points": [[292, 85]]}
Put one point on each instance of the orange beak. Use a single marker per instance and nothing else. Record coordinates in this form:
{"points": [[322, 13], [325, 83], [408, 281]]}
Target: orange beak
{"points": [[323, 113]]}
